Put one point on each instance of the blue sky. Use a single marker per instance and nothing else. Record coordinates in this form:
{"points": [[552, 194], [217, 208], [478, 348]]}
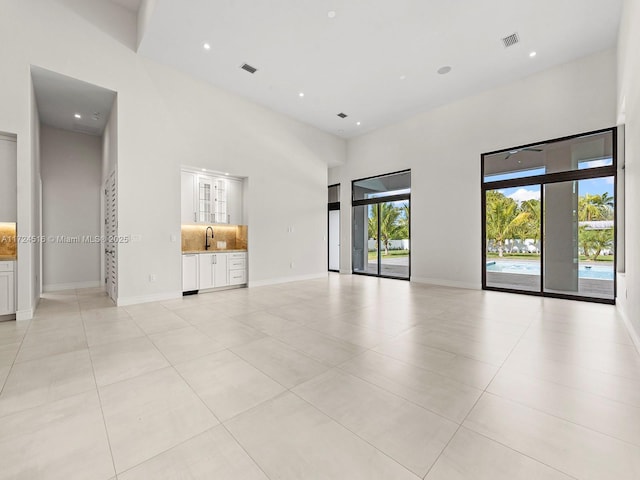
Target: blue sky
{"points": [[595, 186]]}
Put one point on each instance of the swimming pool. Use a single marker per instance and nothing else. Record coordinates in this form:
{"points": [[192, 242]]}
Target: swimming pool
{"points": [[598, 272]]}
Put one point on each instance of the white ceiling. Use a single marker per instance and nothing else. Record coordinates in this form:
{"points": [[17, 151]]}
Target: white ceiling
{"points": [[60, 97], [353, 62]]}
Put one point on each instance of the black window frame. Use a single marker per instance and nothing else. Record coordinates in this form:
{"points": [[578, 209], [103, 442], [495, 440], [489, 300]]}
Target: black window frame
{"points": [[542, 180], [376, 201]]}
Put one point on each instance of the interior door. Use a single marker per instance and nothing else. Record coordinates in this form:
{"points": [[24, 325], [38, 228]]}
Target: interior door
{"points": [[334, 240], [111, 230]]}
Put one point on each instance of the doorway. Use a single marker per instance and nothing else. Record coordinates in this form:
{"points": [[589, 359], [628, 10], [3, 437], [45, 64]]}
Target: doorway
{"points": [[382, 225], [78, 151], [334, 228]]}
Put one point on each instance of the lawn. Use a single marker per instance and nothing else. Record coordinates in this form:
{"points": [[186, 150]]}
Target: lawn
{"points": [[392, 253]]}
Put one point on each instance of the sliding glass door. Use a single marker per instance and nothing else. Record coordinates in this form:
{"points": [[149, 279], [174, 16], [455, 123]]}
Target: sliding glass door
{"points": [[513, 230], [381, 226], [579, 238], [333, 226], [549, 218]]}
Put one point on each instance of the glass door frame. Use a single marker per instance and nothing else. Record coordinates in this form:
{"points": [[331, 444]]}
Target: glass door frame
{"points": [[331, 206], [541, 181], [377, 201]]}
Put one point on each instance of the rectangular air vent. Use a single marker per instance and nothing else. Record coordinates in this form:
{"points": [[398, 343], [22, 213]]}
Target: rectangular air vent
{"points": [[248, 68], [510, 40], [342, 115]]}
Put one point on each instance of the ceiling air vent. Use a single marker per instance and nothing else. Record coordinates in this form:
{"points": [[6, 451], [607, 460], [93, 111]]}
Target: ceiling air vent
{"points": [[510, 40], [342, 115], [248, 68]]}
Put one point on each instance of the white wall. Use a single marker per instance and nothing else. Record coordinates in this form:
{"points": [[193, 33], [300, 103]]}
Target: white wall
{"points": [[36, 208], [166, 119], [629, 113], [72, 185], [442, 147]]}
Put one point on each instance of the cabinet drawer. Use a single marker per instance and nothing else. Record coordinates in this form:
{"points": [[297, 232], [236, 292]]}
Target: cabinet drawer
{"points": [[6, 266], [237, 277], [238, 255], [236, 264]]}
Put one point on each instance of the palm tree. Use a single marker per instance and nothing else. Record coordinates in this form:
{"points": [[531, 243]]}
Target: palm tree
{"points": [[403, 221], [595, 207], [531, 227], [503, 219], [391, 227]]}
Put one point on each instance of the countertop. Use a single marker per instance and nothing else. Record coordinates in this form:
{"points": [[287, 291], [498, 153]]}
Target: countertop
{"points": [[237, 250], [8, 258]]}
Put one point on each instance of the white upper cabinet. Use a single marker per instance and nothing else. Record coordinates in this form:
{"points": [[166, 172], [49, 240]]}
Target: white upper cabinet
{"points": [[8, 179], [189, 199], [210, 199], [234, 201], [206, 199]]}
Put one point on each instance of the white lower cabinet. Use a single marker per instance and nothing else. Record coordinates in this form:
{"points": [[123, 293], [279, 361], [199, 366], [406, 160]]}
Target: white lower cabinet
{"points": [[190, 278], [7, 289], [220, 267], [202, 271], [237, 268], [207, 272]]}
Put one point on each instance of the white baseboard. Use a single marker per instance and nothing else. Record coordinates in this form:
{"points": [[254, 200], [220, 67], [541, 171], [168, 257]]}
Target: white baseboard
{"points": [[156, 297], [276, 281], [446, 283], [635, 337], [57, 287], [26, 314]]}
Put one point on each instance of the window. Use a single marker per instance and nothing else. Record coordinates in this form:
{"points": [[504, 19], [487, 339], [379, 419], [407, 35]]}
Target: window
{"points": [[549, 215], [381, 225]]}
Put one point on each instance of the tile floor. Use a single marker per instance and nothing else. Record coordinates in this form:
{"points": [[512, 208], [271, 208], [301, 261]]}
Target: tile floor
{"points": [[347, 377]]}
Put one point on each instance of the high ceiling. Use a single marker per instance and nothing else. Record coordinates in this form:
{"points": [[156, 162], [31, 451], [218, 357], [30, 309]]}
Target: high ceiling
{"points": [[70, 104], [133, 5], [375, 60]]}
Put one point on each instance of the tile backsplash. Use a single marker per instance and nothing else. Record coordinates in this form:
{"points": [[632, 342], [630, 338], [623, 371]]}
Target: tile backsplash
{"points": [[225, 237], [8, 246]]}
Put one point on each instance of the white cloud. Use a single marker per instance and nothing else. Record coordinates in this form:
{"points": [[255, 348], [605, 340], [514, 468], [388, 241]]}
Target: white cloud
{"points": [[609, 180], [523, 194]]}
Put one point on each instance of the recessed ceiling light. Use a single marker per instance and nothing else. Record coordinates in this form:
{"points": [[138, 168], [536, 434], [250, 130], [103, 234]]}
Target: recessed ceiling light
{"points": [[533, 54], [444, 70], [77, 115], [301, 94], [204, 169], [403, 77], [206, 46], [331, 14], [358, 123], [226, 173]]}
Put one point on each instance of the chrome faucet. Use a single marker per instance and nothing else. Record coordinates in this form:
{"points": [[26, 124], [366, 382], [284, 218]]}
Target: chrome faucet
{"points": [[206, 237]]}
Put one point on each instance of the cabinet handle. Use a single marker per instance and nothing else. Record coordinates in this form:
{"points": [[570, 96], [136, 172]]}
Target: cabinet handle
{"points": [[195, 216]]}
